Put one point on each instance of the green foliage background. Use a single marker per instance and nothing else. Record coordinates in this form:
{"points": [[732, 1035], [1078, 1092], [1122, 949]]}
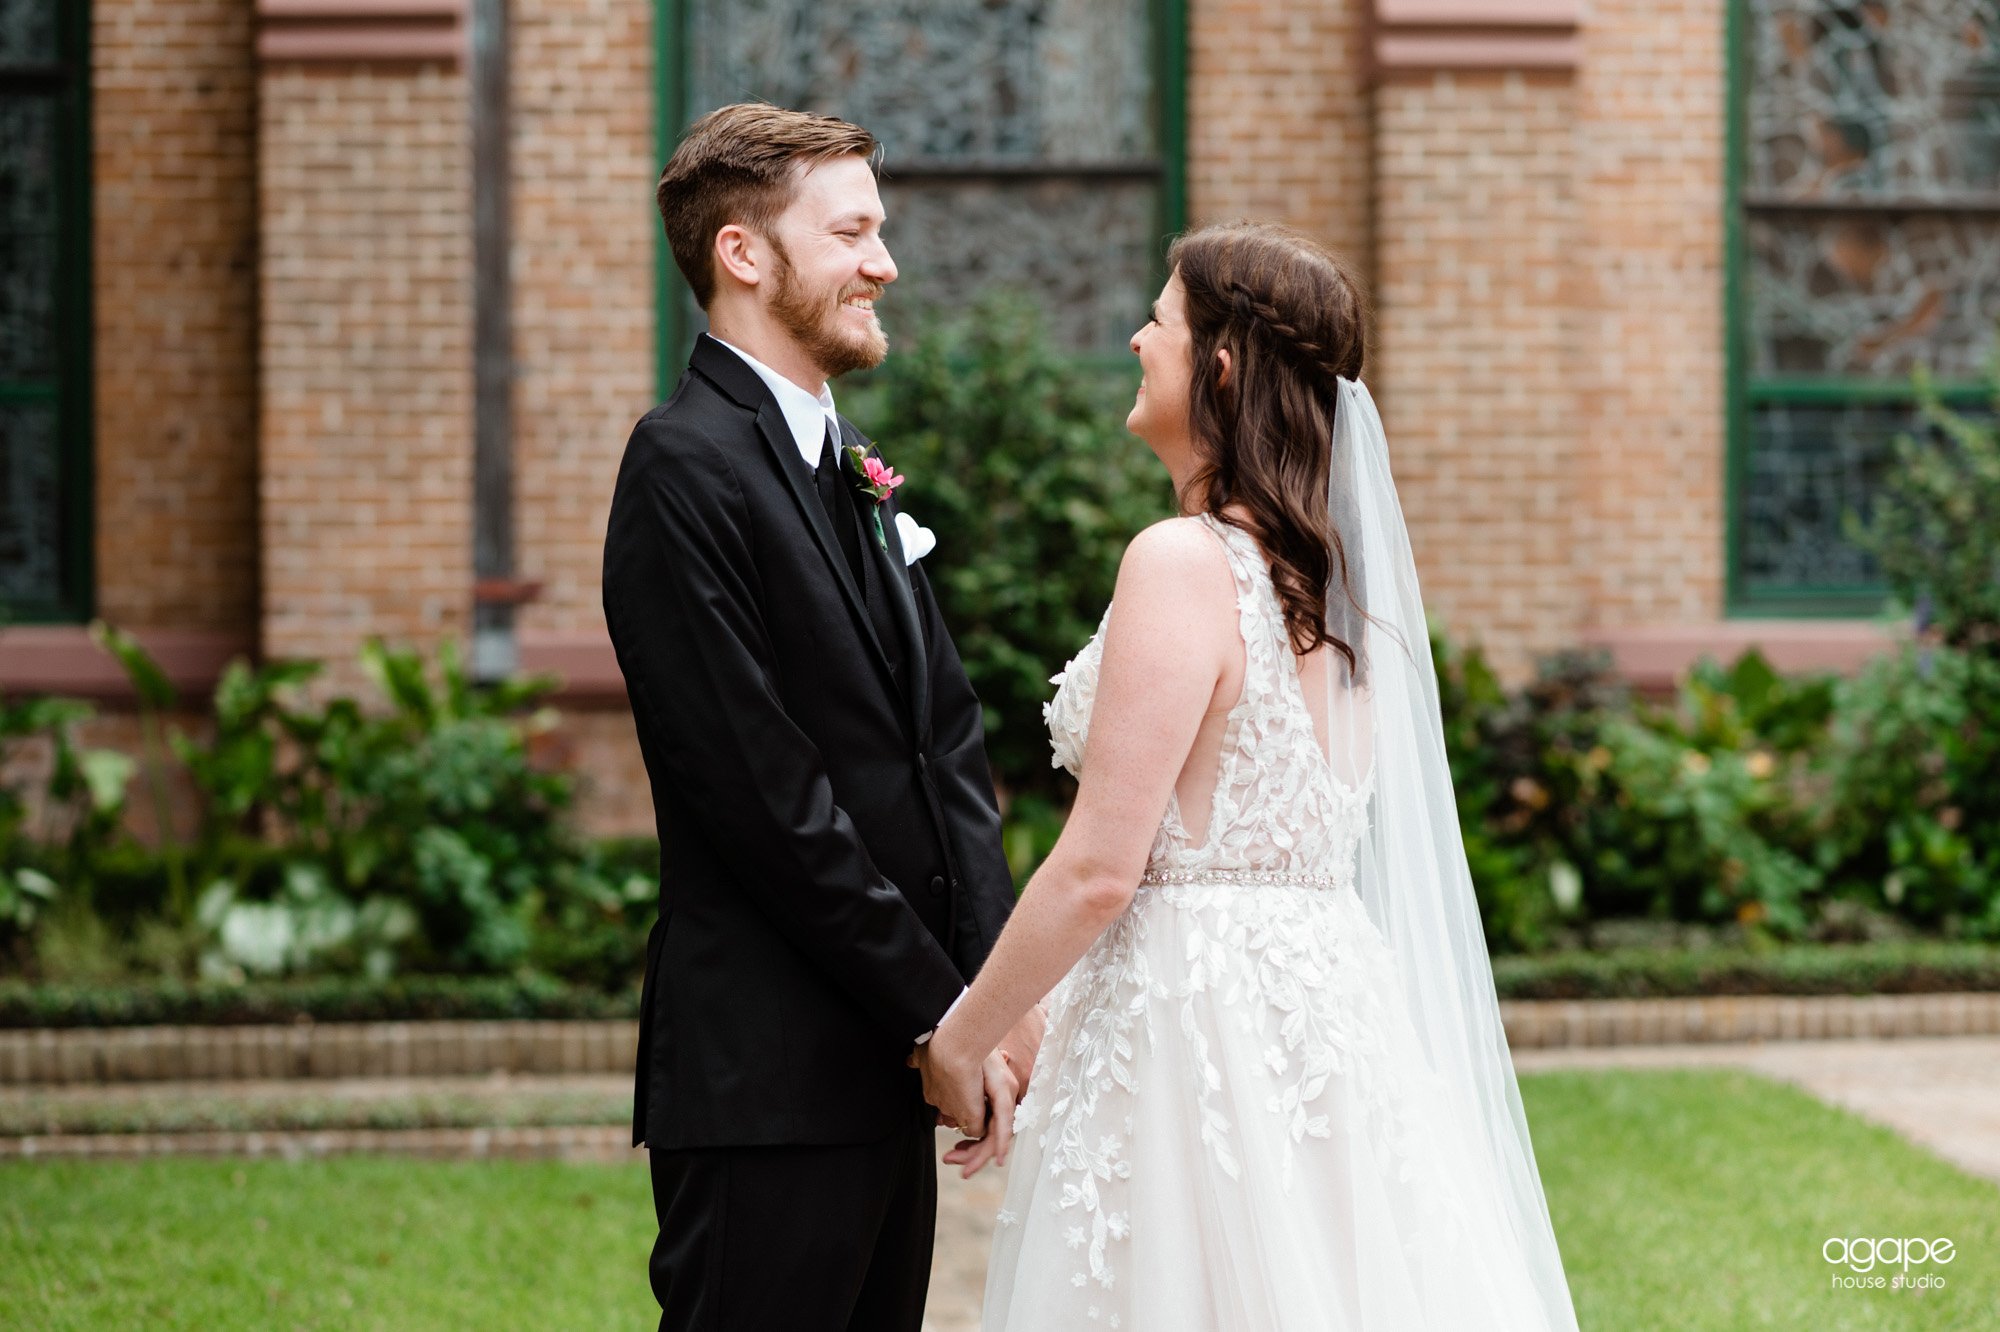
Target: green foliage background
{"points": [[415, 832], [1018, 459]]}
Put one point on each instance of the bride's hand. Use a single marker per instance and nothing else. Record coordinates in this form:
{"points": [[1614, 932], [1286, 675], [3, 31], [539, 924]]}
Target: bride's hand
{"points": [[1003, 1090]]}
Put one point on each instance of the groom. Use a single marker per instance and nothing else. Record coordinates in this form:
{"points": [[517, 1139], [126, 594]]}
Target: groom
{"points": [[831, 865]]}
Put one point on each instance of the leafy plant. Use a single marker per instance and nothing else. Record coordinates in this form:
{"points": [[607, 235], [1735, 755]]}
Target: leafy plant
{"points": [[1933, 529], [49, 841], [1019, 460], [1914, 788]]}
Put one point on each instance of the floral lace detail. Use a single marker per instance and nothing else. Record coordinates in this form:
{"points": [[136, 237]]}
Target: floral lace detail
{"points": [[1277, 804], [1255, 938]]}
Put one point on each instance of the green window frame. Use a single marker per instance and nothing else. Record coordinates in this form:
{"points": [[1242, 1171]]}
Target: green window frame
{"points": [[45, 312], [1872, 203], [1166, 59]]}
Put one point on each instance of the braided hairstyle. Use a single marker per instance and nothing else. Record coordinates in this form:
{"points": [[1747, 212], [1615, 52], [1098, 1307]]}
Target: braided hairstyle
{"points": [[1290, 316]]}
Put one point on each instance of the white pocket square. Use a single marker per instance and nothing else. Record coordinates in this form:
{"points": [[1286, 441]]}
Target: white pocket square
{"points": [[918, 540]]}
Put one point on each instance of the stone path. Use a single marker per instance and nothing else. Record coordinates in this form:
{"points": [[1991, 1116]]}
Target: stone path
{"points": [[1942, 1093]]}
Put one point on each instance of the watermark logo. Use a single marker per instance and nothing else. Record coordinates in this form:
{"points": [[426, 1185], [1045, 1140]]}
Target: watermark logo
{"points": [[1885, 1263]]}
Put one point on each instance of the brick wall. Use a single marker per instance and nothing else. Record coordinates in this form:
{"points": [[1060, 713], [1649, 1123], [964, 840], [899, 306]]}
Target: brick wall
{"points": [[1650, 134], [1477, 230], [174, 251], [365, 318], [584, 225], [584, 229], [1278, 116]]}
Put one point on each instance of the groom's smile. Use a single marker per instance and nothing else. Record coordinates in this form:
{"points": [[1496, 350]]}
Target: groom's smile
{"points": [[831, 266]]}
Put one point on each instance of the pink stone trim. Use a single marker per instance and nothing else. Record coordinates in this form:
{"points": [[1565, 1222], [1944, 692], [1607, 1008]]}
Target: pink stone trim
{"points": [[315, 31], [1425, 36], [1654, 656], [448, 10], [1474, 13], [62, 659], [585, 661], [1404, 53]]}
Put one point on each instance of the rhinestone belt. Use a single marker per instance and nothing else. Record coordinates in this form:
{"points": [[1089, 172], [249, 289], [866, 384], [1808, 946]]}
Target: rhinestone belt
{"points": [[1243, 876]]}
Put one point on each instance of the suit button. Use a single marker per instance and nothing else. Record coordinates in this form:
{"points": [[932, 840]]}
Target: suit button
{"points": [[937, 885]]}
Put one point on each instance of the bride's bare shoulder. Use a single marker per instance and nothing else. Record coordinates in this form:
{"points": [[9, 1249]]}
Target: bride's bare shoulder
{"points": [[1176, 564]]}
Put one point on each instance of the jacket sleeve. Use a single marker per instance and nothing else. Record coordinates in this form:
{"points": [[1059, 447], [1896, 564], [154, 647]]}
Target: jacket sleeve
{"points": [[965, 786], [685, 615]]}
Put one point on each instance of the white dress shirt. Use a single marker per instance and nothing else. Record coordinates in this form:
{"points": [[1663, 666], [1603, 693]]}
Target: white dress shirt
{"points": [[808, 414]]}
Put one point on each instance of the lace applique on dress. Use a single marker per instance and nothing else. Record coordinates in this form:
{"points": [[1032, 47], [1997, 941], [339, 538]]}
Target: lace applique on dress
{"points": [[1244, 1011]]}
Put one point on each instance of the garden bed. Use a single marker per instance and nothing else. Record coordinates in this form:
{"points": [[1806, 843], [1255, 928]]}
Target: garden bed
{"points": [[1923, 967]]}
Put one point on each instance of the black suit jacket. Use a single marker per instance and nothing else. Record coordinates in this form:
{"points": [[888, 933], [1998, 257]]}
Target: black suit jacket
{"points": [[832, 873]]}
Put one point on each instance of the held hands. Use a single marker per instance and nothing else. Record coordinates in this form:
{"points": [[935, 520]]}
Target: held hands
{"points": [[973, 1095]]}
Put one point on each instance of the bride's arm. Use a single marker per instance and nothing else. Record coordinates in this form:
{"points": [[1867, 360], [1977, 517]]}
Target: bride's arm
{"points": [[1166, 649]]}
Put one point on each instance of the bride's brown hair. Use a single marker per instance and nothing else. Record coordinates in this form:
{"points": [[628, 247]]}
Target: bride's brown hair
{"points": [[1290, 315]]}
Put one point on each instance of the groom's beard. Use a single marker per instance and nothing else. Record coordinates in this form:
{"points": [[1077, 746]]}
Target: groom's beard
{"points": [[813, 319]]}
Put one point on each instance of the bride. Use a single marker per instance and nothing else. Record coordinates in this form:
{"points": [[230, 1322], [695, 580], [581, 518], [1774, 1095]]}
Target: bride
{"points": [[1274, 1091]]}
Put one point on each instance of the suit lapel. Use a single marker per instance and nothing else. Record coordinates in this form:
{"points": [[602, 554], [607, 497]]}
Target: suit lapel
{"points": [[727, 371], [777, 437], [902, 601]]}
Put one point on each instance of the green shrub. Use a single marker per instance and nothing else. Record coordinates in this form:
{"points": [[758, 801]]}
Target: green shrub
{"points": [[1581, 803], [1913, 788], [49, 839], [331, 838], [1019, 461], [1933, 528]]}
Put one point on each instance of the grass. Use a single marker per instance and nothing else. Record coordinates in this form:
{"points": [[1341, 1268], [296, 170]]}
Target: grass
{"points": [[351, 1243], [1690, 1201], [1698, 1201]]}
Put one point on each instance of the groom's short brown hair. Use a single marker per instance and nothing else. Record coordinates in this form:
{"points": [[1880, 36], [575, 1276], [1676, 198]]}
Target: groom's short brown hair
{"points": [[740, 164]]}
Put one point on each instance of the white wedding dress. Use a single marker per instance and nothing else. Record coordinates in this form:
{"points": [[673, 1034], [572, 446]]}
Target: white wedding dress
{"points": [[1231, 1125]]}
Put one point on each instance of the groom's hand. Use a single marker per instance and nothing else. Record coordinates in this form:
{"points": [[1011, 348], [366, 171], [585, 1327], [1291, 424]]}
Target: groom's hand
{"points": [[956, 1087]]}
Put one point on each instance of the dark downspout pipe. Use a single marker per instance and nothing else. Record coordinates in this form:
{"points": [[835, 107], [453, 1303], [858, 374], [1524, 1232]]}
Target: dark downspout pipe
{"points": [[496, 590]]}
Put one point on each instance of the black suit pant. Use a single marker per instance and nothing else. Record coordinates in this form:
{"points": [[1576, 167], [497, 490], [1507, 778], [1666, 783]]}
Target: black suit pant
{"points": [[796, 1239]]}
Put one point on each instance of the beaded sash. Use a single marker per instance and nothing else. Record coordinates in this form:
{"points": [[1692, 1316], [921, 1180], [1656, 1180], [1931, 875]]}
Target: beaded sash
{"points": [[1243, 877]]}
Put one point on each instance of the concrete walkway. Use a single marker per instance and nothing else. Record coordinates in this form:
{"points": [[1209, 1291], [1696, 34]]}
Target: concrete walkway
{"points": [[1941, 1093]]}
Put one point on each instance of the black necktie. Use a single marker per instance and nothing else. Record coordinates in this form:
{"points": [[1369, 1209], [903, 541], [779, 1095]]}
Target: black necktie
{"points": [[839, 506]]}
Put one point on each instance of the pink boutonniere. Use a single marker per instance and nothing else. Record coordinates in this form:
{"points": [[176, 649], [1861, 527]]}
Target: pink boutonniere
{"points": [[878, 481]]}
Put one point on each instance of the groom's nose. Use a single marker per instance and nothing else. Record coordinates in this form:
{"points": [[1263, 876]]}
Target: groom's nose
{"points": [[879, 267]]}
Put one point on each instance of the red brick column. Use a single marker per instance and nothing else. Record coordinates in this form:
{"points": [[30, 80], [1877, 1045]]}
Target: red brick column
{"points": [[1476, 225], [1278, 117], [365, 355], [174, 238]]}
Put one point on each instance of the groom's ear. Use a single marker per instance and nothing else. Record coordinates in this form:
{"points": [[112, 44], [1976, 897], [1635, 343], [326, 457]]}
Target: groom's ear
{"points": [[740, 253]]}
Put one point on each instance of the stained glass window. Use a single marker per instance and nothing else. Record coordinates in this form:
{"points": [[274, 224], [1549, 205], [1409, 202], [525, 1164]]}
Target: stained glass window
{"points": [[1027, 143], [44, 309], [1866, 245]]}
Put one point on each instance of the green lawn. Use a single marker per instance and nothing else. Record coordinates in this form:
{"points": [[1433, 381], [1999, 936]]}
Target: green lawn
{"points": [[1699, 1201], [1685, 1202]]}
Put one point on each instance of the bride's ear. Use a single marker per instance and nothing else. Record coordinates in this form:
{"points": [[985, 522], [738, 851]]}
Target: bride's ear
{"points": [[1222, 363]]}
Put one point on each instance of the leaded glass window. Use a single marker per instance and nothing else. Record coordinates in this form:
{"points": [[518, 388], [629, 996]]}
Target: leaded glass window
{"points": [[1029, 144], [1865, 243], [44, 309]]}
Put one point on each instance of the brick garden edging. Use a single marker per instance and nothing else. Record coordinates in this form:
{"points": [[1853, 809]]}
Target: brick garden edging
{"points": [[87, 1055], [1541, 1024], [74, 1055], [597, 1143]]}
